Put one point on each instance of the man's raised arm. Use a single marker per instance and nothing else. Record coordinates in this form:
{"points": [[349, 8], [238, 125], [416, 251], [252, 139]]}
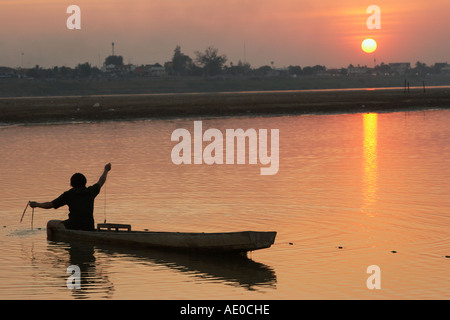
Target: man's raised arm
{"points": [[102, 179]]}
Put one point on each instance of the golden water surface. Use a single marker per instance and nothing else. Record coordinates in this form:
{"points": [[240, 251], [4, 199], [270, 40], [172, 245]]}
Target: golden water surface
{"points": [[352, 190]]}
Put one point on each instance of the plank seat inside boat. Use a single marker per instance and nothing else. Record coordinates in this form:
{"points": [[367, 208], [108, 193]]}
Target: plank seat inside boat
{"points": [[113, 226]]}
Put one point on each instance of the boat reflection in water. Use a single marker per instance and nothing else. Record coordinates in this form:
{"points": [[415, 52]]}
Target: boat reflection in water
{"points": [[95, 281], [94, 262]]}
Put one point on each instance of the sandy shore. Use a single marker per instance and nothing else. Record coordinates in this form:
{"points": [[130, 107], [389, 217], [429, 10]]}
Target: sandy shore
{"points": [[146, 106]]}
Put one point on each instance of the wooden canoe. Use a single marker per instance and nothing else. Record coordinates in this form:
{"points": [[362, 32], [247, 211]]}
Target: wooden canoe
{"points": [[241, 241]]}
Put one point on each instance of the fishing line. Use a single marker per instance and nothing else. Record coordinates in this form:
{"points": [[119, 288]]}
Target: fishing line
{"points": [[32, 214], [32, 217], [104, 207], [24, 211]]}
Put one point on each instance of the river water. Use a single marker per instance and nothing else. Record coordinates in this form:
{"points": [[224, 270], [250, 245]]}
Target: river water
{"points": [[352, 191]]}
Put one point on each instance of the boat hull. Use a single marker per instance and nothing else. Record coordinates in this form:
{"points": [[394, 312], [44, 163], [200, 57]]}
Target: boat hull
{"points": [[241, 241]]}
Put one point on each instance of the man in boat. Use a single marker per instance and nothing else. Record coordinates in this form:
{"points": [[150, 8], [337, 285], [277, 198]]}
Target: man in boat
{"points": [[80, 200]]}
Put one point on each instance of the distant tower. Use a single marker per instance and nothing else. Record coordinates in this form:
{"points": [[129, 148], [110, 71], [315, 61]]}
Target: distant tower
{"points": [[245, 54], [113, 48]]}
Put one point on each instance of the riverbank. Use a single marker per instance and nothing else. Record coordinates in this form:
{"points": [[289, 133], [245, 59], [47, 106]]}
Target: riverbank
{"points": [[27, 87], [29, 110]]}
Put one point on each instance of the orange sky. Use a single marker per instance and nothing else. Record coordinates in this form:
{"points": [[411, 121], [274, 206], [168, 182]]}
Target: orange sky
{"points": [[287, 32]]}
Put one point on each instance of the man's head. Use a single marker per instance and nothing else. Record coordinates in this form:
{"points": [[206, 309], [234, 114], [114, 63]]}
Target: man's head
{"points": [[78, 180]]}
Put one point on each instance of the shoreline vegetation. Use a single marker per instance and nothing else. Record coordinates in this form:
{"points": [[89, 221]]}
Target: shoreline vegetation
{"points": [[30, 102]]}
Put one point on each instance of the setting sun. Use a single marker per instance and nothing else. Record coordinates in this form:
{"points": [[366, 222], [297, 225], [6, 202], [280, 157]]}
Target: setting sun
{"points": [[369, 45]]}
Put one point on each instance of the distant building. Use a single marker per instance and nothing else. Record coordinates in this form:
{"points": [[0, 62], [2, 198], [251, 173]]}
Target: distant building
{"points": [[334, 72], [118, 69], [399, 68], [6, 72], [441, 67], [157, 70], [108, 68], [446, 69], [280, 72], [357, 71], [150, 70]]}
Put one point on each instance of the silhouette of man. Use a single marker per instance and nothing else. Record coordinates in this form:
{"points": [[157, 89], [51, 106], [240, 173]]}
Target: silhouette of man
{"points": [[80, 200]]}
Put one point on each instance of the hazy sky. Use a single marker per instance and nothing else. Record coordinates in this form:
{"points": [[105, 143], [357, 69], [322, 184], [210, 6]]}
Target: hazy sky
{"points": [[287, 32]]}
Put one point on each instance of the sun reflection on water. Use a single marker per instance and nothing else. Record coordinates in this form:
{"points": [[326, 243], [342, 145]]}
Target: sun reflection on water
{"points": [[370, 163]]}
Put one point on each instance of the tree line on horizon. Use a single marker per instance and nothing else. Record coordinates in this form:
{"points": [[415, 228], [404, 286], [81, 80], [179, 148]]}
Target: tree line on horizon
{"points": [[209, 63]]}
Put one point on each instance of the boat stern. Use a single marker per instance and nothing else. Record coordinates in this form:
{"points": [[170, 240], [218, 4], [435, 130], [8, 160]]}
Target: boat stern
{"points": [[262, 240]]}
